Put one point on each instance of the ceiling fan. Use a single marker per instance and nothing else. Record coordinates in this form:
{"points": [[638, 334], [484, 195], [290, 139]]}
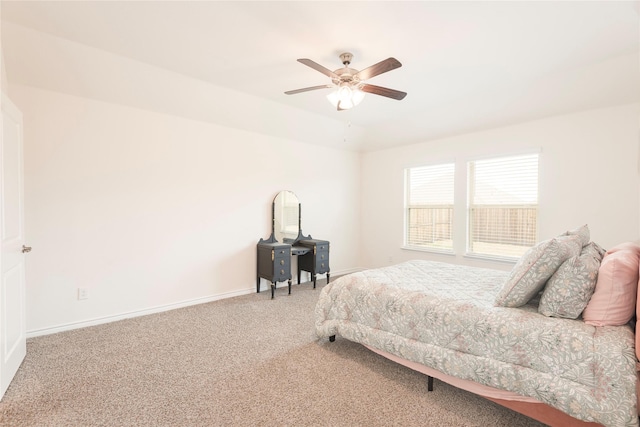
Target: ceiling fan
{"points": [[350, 83]]}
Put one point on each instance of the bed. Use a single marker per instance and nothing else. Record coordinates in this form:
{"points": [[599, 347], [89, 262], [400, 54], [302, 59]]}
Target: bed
{"points": [[451, 322]]}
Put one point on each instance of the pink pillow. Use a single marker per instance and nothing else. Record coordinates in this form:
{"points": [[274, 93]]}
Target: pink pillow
{"points": [[627, 246], [614, 300]]}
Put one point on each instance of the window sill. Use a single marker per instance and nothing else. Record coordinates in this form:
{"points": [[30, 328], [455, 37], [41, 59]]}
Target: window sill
{"points": [[430, 250], [494, 258]]}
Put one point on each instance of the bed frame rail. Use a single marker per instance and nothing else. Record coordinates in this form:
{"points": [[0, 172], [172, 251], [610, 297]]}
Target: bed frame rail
{"points": [[537, 410]]}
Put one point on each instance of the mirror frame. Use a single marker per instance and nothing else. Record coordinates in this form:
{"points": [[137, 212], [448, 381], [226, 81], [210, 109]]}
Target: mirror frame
{"points": [[300, 236], [283, 201]]}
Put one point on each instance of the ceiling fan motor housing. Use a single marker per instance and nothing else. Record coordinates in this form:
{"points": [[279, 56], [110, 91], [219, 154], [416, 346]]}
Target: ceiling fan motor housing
{"points": [[346, 74], [346, 58]]}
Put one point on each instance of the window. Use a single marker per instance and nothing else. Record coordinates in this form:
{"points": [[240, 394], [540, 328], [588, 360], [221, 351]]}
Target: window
{"points": [[429, 207], [503, 205]]}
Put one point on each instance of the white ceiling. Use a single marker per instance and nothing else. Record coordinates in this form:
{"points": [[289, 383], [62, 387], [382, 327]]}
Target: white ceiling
{"points": [[466, 65]]}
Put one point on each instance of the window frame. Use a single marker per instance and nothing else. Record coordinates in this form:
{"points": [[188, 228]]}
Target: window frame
{"points": [[461, 215], [469, 194], [407, 207]]}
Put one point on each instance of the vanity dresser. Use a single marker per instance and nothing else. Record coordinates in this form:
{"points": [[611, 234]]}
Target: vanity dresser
{"points": [[286, 240]]}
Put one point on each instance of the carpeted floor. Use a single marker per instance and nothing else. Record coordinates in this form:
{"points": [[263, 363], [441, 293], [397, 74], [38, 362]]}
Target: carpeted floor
{"points": [[243, 361]]}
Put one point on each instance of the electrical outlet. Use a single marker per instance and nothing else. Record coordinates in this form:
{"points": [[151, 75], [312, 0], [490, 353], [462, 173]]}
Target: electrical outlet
{"points": [[83, 293], [390, 260]]}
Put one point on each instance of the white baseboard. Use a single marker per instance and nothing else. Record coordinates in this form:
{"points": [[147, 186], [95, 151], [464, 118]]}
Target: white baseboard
{"points": [[135, 313], [157, 309]]}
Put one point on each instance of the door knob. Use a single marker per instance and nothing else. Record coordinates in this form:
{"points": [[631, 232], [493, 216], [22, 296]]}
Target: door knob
{"points": [[26, 249]]}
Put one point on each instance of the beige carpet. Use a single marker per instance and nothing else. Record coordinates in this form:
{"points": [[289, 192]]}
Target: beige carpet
{"points": [[244, 361]]}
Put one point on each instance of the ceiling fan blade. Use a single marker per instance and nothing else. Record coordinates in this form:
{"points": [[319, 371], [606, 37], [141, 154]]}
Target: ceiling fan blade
{"points": [[327, 72], [379, 68], [383, 91], [307, 89]]}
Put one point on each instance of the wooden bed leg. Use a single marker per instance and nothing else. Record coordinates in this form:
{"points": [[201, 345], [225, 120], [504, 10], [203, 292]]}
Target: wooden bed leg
{"points": [[332, 338], [429, 383]]}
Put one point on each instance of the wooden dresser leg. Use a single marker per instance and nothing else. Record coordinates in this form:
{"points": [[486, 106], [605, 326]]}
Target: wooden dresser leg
{"points": [[332, 338], [429, 383]]}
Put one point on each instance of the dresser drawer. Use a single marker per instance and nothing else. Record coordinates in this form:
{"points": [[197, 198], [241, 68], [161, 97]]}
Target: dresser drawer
{"points": [[282, 251], [282, 266], [322, 247], [315, 245], [322, 256], [322, 267]]}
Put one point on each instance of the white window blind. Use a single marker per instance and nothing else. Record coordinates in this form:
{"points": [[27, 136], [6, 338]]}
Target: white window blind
{"points": [[503, 205], [429, 207]]}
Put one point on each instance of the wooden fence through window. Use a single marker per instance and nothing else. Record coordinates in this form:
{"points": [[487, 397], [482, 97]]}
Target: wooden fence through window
{"points": [[511, 225], [497, 224]]}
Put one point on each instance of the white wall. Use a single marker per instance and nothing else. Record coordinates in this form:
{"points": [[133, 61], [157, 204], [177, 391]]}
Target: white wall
{"points": [[3, 72], [147, 210], [588, 174], [3, 75]]}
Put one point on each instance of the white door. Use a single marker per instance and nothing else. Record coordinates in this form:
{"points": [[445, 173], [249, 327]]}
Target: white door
{"points": [[13, 342]]}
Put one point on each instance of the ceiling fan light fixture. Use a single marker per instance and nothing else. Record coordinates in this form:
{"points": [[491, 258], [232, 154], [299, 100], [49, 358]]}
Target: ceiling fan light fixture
{"points": [[346, 96], [357, 96], [344, 93]]}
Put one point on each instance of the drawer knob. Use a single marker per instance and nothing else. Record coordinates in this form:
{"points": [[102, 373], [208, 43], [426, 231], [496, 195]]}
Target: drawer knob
{"points": [[321, 256], [322, 265], [281, 271], [281, 262]]}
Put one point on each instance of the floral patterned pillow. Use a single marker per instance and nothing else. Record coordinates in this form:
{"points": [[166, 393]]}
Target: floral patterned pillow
{"points": [[570, 288], [582, 232], [534, 268]]}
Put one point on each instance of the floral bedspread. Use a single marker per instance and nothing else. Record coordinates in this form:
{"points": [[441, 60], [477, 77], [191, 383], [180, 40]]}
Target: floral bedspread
{"points": [[442, 316]]}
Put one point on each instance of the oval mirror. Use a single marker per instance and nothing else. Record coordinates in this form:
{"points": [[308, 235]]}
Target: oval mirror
{"points": [[286, 217]]}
